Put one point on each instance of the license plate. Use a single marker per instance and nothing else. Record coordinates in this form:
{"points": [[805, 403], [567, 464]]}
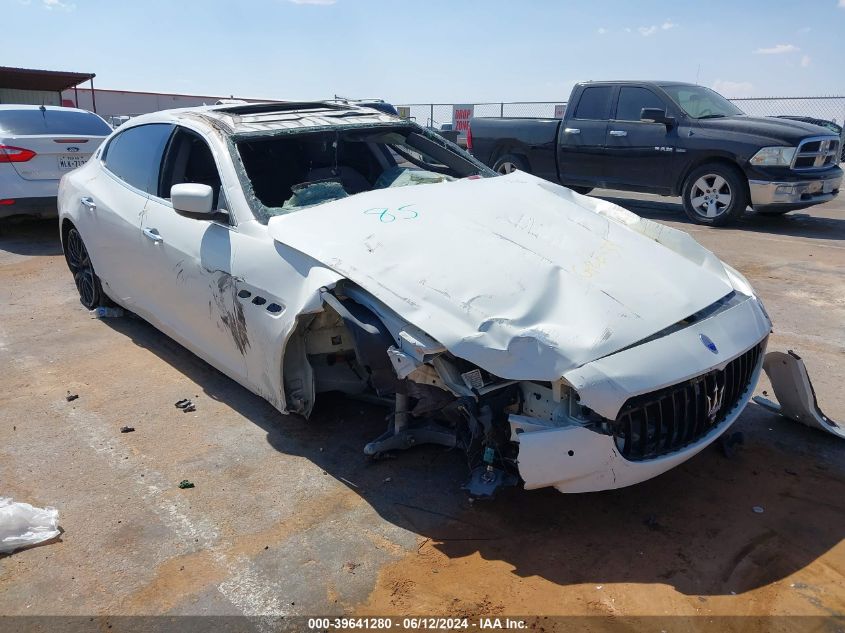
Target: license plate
{"points": [[72, 161]]}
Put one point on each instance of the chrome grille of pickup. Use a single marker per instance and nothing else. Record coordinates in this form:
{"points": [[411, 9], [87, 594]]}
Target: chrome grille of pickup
{"points": [[816, 153], [665, 421]]}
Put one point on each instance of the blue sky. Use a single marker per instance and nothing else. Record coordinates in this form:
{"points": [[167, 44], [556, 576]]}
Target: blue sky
{"points": [[436, 50]]}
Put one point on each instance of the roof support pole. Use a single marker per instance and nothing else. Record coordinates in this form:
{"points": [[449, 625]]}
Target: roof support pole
{"points": [[93, 97]]}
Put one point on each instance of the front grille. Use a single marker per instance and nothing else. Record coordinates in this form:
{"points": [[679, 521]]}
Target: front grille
{"points": [[665, 421], [817, 153]]}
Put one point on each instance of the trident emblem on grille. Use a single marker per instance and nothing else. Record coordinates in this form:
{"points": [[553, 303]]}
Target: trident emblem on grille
{"points": [[714, 401]]}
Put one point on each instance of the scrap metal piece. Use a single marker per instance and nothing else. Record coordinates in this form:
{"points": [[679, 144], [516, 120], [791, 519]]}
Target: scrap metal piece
{"points": [[794, 391]]}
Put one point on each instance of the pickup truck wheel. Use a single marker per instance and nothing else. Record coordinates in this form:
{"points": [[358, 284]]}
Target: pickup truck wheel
{"points": [[714, 194], [509, 163], [91, 293]]}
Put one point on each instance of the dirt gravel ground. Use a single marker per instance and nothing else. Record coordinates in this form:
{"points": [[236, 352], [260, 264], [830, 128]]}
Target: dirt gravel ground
{"points": [[287, 517]]}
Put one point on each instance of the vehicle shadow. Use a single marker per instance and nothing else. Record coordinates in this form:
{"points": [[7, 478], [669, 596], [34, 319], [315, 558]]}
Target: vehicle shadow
{"points": [[805, 223], [30, 237], [694, 528]]}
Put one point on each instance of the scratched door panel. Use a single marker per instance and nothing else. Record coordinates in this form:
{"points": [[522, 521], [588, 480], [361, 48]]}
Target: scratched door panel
{"points": [[191, 292]]}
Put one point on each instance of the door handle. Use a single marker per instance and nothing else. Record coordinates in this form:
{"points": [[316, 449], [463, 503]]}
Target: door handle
{"points": [[88, 203], [153, 235], [571, 130], [618, 133]]}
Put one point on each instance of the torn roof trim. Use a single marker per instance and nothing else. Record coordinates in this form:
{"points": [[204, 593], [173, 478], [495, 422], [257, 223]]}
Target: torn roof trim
{"points": [[327, 126], [276, 117], [269, 118]]}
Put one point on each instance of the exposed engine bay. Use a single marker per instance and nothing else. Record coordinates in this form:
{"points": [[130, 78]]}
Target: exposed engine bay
{"points": [[358, 346]]}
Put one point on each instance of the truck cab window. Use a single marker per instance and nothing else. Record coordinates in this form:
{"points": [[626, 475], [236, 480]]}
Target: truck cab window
{"points": [[632, 100], [594, 103]]}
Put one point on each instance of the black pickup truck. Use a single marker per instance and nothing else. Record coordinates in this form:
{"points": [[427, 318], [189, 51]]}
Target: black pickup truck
{"points": [[672, 139]]}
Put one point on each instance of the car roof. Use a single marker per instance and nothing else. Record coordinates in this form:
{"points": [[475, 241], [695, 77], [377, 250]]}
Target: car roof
{"points": [[257, 118], [633, 82], [24, 106]]}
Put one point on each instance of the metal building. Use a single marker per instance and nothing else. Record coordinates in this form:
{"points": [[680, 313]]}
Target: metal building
{"points": [[39, 87]]}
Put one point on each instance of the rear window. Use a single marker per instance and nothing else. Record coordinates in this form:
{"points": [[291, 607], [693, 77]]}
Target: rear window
{"points": [[594, 103], [135, 154], [49, 121]]}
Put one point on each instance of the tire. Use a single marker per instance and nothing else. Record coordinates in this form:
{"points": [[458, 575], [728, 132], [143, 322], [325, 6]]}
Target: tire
{"points": [[87, 282], [715, 194], [509, 163], [580, 189]]}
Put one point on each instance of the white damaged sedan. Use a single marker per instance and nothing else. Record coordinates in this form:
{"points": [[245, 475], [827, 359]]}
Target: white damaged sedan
{"points": [[303, 248]]}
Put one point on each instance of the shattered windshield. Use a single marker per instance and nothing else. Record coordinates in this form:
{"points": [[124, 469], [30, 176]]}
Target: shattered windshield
{"points": [[700, 102], [289, 172]]}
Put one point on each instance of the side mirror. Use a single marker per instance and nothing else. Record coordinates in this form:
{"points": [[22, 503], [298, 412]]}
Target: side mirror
{"points": [[192, 197], [656, 115]]}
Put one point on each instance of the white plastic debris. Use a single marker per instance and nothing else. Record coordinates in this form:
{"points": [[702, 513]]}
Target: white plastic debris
{"points": [[22, 525]]}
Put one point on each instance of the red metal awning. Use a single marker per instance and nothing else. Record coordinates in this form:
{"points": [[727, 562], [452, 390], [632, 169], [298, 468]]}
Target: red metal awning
{"points": [[33, 79]]}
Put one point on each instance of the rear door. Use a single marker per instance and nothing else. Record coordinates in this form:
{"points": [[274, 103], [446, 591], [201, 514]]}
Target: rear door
{"points": [[111, 207], [55, 140], [640, 155], [581, 151]]}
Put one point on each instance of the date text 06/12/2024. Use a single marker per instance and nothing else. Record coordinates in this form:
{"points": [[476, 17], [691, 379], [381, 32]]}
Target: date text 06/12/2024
{"points": [[415, 624]]}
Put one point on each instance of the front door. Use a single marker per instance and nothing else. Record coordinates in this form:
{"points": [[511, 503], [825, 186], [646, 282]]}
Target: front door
{"points": [[192, 291], [640, 155]]}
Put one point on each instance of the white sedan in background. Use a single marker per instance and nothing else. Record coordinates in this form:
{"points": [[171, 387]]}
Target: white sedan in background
{"points": [[302, 248], [38, 145]]}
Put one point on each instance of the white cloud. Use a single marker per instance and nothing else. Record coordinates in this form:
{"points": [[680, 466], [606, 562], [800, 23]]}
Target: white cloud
{"points": [[648, 31], [322, 2], [804, 29], [805, 61], [601, 30], [58, 4], [778, 49], [842, 4], [733, 89], [627, 30]]}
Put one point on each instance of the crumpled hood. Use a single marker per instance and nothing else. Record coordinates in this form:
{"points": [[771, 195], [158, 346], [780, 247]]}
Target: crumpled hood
{"points": [[522, 277]]}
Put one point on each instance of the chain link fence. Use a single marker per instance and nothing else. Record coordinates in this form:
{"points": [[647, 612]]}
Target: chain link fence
{"points": [[821, 109], [437, 114]]}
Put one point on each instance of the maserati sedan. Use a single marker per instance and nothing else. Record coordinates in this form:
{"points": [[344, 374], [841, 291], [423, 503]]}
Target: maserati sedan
{"points": [[302, 248]]}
